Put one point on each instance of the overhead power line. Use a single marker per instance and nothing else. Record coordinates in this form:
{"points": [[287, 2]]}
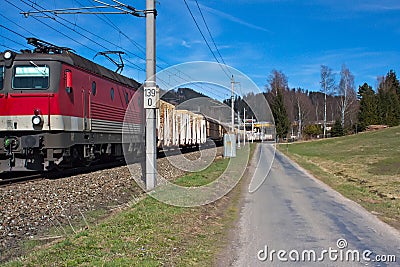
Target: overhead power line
{"points": [[9, 47], [122, 9], [205, 40], [8, 29], [209, 32], [19, 26], [108, 21], [74, 30], [55, 19], [132, 64], [11, 40], [112, 24], [90, 32], [54, 29]]}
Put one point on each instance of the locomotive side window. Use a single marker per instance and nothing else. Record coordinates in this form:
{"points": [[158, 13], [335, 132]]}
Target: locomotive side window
{"points": [[31, 77], [1, 77], [112, 93], [126, 98], [94, 90]]}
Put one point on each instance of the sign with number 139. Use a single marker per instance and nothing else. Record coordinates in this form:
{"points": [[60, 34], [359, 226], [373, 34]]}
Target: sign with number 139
{"points": [[150, 97]]}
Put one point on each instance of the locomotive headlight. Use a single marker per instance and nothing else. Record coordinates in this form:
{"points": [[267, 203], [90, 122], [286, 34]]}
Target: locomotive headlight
{"points": [[36, 120], [7, 55], [8, 58]]}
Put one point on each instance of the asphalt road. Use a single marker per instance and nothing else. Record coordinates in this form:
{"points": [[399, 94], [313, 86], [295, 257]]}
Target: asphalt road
{"points": [[297, 214]]}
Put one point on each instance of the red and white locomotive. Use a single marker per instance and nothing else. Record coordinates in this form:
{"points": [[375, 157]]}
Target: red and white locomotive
{"points": [[59, 109]]}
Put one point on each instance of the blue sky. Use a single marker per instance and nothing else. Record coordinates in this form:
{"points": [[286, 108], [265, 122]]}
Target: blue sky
{"points": [[255, 37]]}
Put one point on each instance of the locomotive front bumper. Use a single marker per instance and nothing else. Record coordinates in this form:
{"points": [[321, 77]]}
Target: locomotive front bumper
{"points": [[10, 144], [15, 151]]}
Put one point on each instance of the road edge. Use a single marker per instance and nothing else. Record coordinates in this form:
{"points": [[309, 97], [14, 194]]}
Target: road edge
{"points": [[360, 209], [228, 253]]}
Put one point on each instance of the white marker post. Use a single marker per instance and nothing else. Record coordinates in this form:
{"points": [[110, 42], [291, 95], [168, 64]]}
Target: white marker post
{"points": [[150, 96], [244, 127]]}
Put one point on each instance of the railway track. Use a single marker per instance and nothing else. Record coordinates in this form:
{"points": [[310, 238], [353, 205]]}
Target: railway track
{"points": [[20, 177], [4, 180], [12, 178]]}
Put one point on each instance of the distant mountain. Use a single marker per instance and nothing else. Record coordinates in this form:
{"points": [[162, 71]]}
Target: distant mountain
{"points": [[181, 95]]}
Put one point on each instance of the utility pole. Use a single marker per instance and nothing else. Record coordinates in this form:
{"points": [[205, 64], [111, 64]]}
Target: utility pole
{"points": [[238, 129], [252, 129], [262, 133], [150, 96], [325, 114], [230, 138], [244, 127], [232, 105]]}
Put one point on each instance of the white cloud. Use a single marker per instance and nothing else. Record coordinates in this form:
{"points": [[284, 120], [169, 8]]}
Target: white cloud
{"points": [[234, 19], [185, 44], [381, 6]]}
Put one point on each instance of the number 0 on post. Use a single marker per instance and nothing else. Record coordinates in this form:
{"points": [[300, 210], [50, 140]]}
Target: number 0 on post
{"points": [[150, 97]]}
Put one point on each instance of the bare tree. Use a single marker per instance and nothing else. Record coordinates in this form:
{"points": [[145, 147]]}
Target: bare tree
{"points": [[346, 93], [303, 104], [290, 105], [327, 86], [316, 101], [277, 81]]}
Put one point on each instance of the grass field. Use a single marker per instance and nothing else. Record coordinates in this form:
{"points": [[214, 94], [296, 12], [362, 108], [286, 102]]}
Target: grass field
{"points": [[149, 233], [363, 167]]}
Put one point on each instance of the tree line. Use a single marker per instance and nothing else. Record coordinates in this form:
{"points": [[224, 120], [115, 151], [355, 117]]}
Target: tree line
{"points": [[381, 107], [336, 109]]}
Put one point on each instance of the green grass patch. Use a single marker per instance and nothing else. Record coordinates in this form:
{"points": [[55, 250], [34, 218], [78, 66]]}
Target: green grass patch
{"points": [[149, 233], [363, 167], [387, 166], [203, 177]]}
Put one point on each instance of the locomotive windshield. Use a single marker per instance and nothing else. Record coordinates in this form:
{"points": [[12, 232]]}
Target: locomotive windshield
{"points": [[31, 77], [1, 77]]}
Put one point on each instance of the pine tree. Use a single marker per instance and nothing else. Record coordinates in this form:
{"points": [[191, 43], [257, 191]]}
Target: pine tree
{"points": [[391, 83], [277, 86], [279, 111], [388, 108], [337, 129], [368, 114], [388, 100]]}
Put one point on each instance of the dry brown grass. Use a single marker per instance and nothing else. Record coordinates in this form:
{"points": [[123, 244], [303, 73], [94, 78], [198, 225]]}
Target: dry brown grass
{"points": [[364, 168]]}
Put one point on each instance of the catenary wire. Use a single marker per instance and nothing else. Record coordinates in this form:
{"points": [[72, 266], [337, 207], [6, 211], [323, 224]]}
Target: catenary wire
{"points": [[137, 67], [204, 38], [209, 32]]}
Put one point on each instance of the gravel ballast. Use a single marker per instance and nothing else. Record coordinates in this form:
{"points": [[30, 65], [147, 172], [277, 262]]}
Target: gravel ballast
{"points": [[28, 210]]}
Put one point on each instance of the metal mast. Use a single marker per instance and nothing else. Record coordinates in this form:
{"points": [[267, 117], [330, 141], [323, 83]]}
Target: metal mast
{"points": [[150, 90], [232, 105]]}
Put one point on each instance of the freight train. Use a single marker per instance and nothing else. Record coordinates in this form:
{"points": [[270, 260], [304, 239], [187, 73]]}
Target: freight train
{"points": [[59, 110]]}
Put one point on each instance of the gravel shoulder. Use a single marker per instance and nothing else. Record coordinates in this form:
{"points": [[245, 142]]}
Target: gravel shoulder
{"points": [[230, 251], [41, 211]]}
